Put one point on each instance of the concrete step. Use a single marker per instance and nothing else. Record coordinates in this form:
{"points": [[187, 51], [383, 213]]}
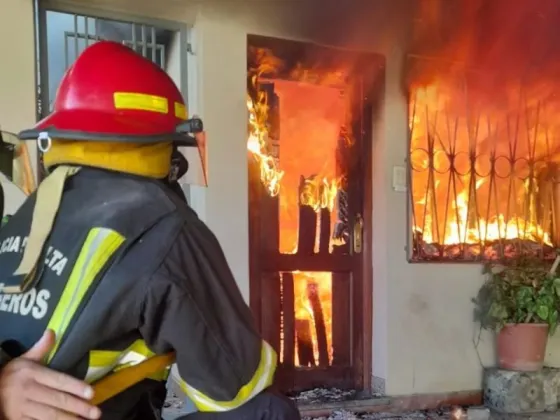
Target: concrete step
{"points": [[514, 392]]}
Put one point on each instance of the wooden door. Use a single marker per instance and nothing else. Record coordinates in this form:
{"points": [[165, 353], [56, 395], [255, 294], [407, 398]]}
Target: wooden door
{"points": [[309, 260]]}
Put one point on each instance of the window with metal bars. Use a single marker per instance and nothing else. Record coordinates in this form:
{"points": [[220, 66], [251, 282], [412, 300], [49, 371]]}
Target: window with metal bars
{"points": [[484, 162], [69, 34]]}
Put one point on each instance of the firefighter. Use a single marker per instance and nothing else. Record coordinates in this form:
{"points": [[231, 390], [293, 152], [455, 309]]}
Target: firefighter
{"points": [[116, 264]]}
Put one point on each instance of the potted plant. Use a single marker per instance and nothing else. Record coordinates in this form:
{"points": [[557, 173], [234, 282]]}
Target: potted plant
{"points": [[520, 300]]}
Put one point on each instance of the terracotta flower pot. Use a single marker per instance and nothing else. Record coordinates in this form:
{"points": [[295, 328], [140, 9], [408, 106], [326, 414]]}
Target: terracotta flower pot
{"points": [[522, 347]]}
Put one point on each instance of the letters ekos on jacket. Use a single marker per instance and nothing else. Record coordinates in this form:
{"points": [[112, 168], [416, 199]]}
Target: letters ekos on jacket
{"points": [[106, 255]]}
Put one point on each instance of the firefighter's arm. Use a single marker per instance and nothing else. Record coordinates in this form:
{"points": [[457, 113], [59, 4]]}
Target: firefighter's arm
{"points": [[193, 306]]}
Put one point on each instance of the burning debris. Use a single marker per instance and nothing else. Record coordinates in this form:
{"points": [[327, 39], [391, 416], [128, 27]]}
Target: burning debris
{"points": [[492, 250], [324, 395]]}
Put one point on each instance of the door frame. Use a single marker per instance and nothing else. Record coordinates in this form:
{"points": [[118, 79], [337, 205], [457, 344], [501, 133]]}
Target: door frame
{"points": [[375, 97], [362, 314]]}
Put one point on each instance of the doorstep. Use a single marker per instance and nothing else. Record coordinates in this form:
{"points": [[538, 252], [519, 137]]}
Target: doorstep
{"points": [[394, 405], [368, 405], [513, 392], [178, 405]]}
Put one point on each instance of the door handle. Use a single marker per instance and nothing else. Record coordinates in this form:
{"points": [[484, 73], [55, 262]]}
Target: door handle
{"points": [[358, 234]]}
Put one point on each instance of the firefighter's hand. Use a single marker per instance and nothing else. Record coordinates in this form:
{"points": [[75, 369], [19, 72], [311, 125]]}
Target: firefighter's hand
{"points": [[29, 390]]}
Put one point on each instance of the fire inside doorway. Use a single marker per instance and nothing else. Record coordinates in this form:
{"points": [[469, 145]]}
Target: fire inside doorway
{"points": [[309, 139]]}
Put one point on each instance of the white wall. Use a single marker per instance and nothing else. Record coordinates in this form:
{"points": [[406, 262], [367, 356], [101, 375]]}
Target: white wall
{"points": [[421, 311], [17, 78]]}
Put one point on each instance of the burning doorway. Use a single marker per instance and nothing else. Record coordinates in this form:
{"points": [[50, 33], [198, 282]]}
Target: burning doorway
{"points": [[309, 144]]}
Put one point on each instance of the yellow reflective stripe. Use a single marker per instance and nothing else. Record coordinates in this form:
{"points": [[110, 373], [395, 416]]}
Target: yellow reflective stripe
{"points": [[100, 358], [98, 248], [139, 346], [158, 376], [103, 362], [95, 373], [131, 358], [180, 111], [141, 102], [261, 380]]}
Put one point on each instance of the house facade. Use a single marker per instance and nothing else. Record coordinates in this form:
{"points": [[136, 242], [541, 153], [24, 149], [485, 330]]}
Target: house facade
{"points": [[421, 337]]}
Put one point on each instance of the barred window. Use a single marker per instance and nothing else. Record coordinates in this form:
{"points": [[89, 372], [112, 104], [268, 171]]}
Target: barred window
{"points": [[485, 168]]}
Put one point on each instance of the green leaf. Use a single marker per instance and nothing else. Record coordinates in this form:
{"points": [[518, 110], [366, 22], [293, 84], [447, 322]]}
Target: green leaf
{"points": [[497, 311], [542, 312], [553, 322], [519, 290], [553, 317], [557, 286]]}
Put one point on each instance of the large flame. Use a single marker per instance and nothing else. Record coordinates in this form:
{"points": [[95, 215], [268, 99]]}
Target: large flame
{"points": [[257, 143], [452, 209], [303, 171], [483, 117]]}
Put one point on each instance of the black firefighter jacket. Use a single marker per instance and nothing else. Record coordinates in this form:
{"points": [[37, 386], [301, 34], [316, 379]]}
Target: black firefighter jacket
{"points": [[129, 270]]}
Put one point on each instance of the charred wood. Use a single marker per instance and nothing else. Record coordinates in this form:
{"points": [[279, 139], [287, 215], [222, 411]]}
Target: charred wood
{"points": [[324, 231], [307, 227], [491, 250], [288, 318], [319, 318], [341, 305], [304, 342]]}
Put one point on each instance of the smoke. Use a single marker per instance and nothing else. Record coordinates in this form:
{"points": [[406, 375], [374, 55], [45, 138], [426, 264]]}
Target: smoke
{"points": [[509, 38]]}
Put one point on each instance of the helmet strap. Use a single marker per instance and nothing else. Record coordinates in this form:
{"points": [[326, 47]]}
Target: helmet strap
{"points": [[173, 172]]}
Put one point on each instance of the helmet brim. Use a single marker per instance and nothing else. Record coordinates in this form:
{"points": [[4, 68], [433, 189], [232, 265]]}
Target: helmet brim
{"points": [[85, 125]]}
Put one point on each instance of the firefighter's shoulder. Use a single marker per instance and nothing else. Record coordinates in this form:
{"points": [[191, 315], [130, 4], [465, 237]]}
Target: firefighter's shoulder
{"points": [[194, 307]]}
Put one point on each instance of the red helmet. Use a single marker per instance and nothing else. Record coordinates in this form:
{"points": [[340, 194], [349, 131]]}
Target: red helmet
{"points": [[112, 93]]}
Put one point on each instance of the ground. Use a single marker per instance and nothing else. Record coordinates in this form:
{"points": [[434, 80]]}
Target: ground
{"points": [[425, 415], [175, 408], [345, 415], [428, 416]]}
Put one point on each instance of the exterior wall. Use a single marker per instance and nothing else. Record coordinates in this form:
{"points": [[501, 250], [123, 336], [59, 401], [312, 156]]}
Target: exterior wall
{"points": [[17, 79], [424, 337], [423, 331]]}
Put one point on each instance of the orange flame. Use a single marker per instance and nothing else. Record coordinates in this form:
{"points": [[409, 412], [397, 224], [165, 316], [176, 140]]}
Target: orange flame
{"points": [[257, 142], [483, 120], [465, 221], [307, 149]]}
